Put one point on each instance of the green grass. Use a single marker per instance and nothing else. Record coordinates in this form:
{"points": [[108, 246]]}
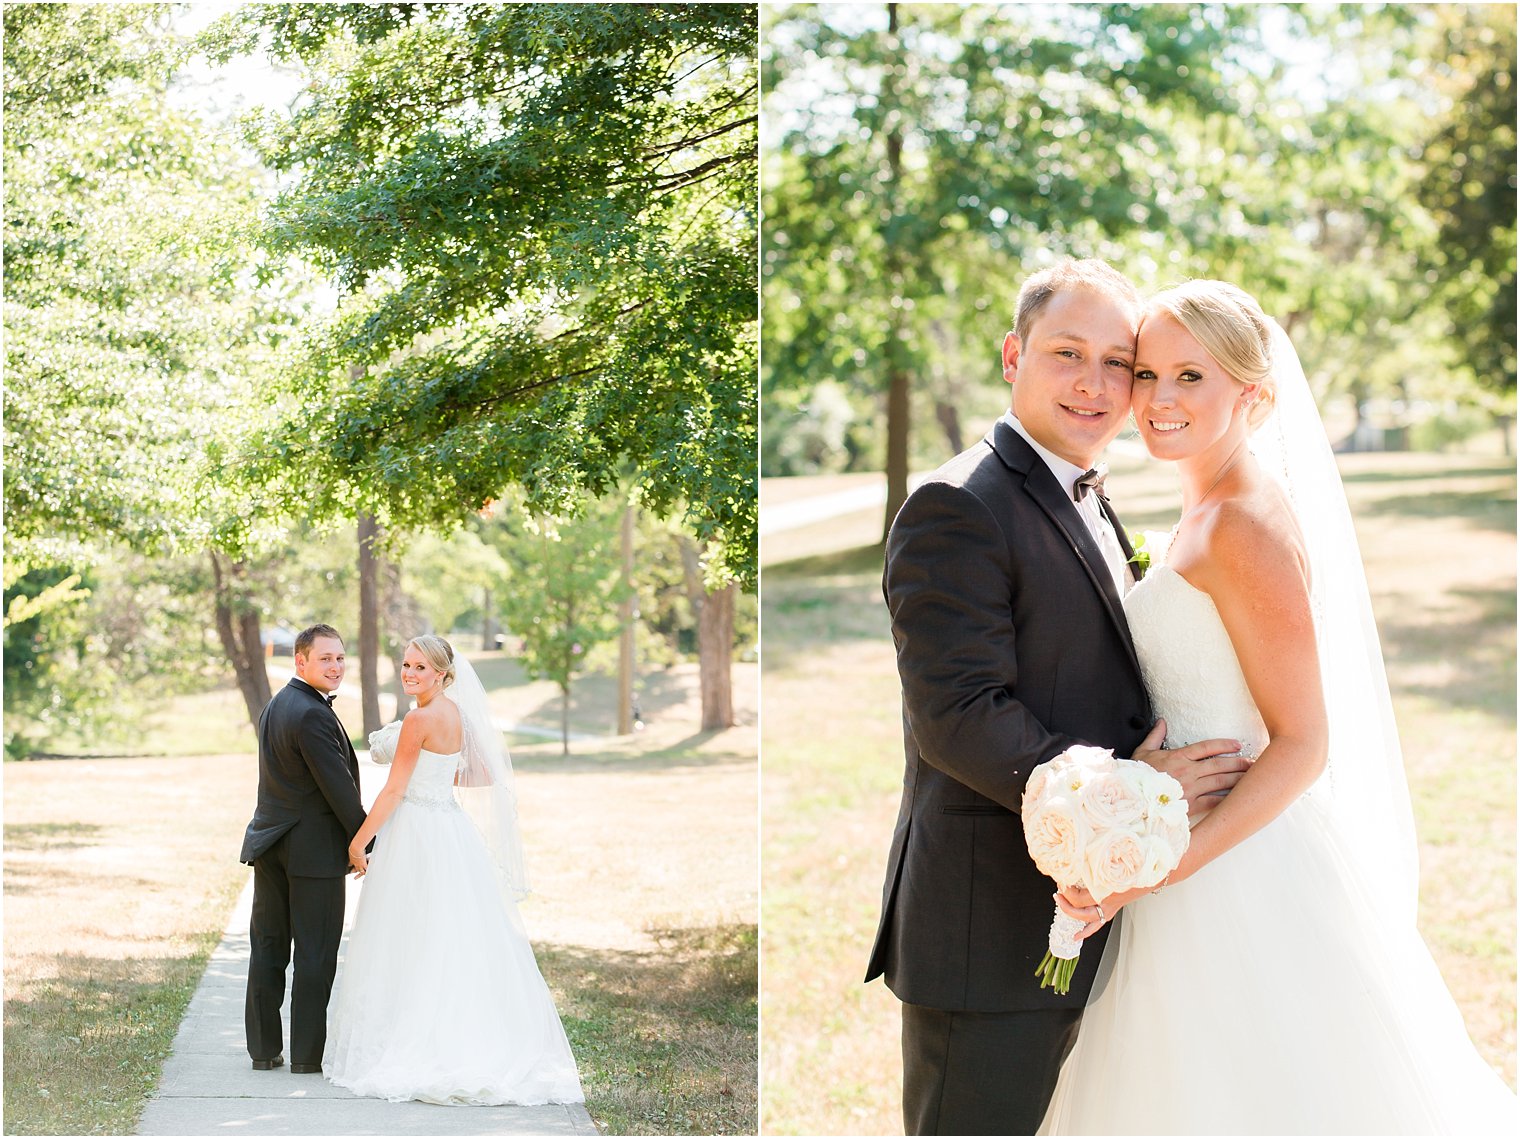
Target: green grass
{"points": [[665, 1039], [1437, 536], [643, 854]]}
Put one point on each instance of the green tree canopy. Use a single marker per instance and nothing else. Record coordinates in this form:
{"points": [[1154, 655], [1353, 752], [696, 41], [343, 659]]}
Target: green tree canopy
{"points": [[542, 220], [129, 325], [132, 332], [1352, 165], [935, 151], [1468, 186]]}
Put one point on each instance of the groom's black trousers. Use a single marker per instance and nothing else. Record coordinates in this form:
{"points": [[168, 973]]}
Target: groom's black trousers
{"points": [[981, 1073], [308, 911]]}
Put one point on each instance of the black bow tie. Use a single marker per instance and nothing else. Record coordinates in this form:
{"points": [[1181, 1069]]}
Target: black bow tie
{"points": [[1092, 480], [330, 699]]}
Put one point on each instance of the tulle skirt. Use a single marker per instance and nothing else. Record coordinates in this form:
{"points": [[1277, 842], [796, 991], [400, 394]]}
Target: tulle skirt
{"points": [[439, 997], [1265, 995]]}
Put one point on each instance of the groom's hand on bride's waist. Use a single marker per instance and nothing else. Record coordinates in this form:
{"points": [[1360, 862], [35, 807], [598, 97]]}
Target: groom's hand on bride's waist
{"points": [[1206, 769]]}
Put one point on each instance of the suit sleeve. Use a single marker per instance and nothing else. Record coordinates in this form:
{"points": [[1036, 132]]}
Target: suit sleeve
{"points": [[949, 584], [326, 756]]}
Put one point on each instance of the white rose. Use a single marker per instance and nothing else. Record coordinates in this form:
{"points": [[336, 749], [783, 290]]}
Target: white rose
{"points": [[1111, 800], [1176, 833], [1055, 839], [1113, 862], [1037, 784], [1160, 860], [1092, 759]]}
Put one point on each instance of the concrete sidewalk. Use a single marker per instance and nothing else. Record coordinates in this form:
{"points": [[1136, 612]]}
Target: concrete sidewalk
{"points": [[210, 1088]]}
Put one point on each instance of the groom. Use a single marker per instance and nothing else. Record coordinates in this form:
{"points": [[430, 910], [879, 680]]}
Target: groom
{"points": [[1004, 573], [308, 810]]}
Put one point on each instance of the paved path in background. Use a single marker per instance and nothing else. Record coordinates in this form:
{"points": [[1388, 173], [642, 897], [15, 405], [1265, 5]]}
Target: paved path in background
{"points": [[802, 512], [210, 1088], [805, 511]]}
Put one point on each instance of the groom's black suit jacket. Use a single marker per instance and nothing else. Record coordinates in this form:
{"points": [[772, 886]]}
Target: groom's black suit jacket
{"points": [[1011, 645], [308, 785]]}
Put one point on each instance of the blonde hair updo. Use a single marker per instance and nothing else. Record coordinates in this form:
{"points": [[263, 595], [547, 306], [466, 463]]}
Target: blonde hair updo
{"points": [[1232, 328], [439, 654]]}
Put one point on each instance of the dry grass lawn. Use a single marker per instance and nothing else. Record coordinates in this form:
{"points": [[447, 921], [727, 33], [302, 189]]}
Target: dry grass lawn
{"points": [[119, 875], [1438, 538], [645, 867]]}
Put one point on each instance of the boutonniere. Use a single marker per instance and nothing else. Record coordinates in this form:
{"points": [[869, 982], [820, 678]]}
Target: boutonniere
{"points": [[1141, 559]]}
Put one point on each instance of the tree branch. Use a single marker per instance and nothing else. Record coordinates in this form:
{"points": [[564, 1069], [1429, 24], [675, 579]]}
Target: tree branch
{"points": [[695, 174], [668, 148]]}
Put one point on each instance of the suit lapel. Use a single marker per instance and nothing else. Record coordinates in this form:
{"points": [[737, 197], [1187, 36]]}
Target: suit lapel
{"points": [[1124, 544], [1042, 487]]}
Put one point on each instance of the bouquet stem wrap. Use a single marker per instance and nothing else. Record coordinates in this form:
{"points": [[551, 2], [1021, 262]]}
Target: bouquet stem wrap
{"points": [[1059, 964]]}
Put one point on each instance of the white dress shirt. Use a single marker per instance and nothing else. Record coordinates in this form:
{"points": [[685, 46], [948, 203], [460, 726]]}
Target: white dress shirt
{"points": [[1098, 524]]}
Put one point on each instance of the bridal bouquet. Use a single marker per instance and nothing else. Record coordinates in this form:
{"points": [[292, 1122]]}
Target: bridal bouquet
{"points": [[382, 742], [1105, 824]]}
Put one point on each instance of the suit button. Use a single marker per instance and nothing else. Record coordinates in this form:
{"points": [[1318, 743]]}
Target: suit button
{"points": [[1137, 722]]}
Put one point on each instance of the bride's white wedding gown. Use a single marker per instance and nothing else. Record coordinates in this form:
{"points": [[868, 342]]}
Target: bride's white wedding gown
{"points": [[1265, 994], [440, 998]]}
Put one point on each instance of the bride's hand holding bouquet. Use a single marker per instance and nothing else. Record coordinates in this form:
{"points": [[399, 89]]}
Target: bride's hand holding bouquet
{"points": [[1107, 830]]}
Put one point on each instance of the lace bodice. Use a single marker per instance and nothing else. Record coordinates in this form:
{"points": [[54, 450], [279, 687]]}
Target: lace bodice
{"points": [[1188, 664]]}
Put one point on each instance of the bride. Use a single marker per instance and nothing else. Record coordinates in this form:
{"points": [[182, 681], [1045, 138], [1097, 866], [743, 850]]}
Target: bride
{"points": [[1276, 982], [440, 998]]}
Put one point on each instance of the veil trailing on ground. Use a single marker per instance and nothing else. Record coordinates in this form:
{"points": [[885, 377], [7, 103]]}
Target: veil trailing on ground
{"points": [[484, 783], [1365, 774]]}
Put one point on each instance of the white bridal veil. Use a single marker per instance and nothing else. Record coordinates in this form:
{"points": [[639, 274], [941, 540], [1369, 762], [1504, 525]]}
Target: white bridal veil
{"points": [[484, 784], [1365, 774]]}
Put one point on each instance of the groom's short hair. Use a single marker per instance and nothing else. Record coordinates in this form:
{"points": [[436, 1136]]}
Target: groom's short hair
{"points": [[1090, 273], [309, 634]]}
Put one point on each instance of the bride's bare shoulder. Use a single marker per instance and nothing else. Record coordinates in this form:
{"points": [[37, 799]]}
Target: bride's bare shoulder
{"points": [[433, 715], [1253, 542], [437, 724]]}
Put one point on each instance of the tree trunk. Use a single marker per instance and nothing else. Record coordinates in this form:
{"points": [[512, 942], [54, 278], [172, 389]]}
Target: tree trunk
{"points": [[715, 640], [897, 445], [398, 618], [487, 622], [629, 610], [564, 718], [898, 408], [237, 627], [369, 622], [403, 701], [950, 423], [715, 643]]}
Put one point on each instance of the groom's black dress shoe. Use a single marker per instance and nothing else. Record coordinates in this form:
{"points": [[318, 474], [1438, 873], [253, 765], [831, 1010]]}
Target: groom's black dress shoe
{"points": [[268, 1065], [306, 1069]]}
